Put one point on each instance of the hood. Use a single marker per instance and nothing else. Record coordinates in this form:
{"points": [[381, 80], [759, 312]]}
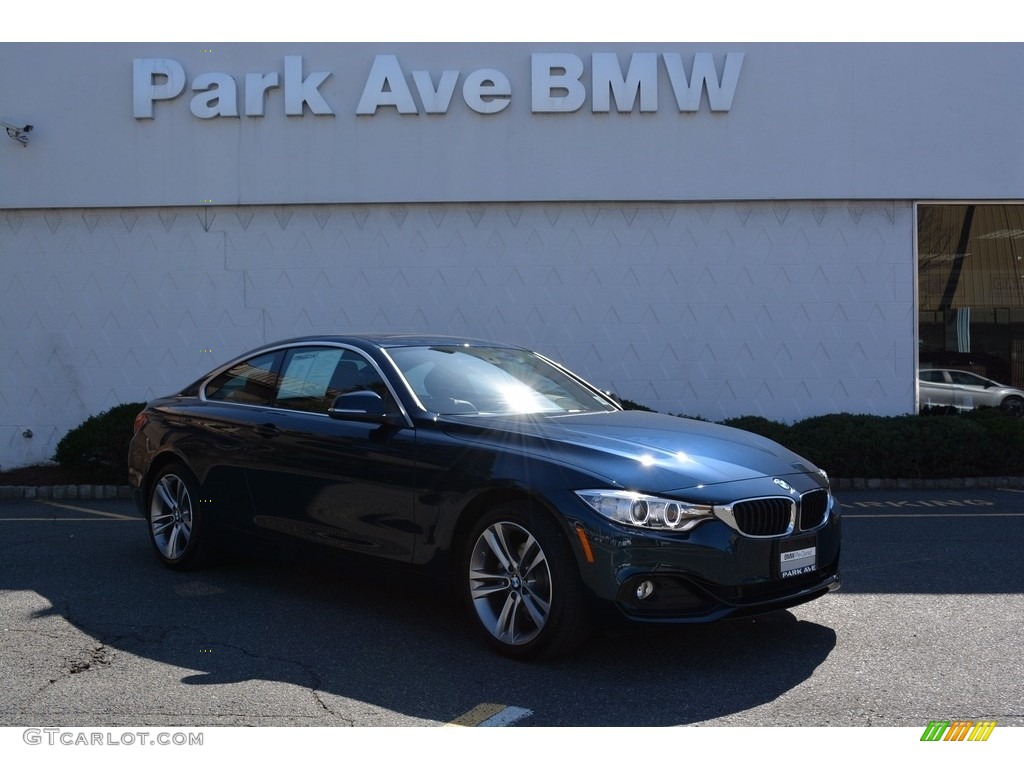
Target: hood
{"points": [[637, 449]]}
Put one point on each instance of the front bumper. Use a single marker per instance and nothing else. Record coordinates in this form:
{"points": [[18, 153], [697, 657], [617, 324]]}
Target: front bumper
{"points": [[710, 573]]}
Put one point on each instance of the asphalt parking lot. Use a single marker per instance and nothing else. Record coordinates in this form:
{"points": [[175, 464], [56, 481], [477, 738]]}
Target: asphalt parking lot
{"points": [[928, 625]]}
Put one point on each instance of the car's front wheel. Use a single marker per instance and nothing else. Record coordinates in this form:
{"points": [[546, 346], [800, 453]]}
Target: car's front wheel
{"points": [[176, 525], [521, 584], [1014, 405]]}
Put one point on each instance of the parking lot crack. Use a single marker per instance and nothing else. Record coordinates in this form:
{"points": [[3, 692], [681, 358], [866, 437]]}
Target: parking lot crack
{"points": [[317, 692], [94, 658], [313, 683]]}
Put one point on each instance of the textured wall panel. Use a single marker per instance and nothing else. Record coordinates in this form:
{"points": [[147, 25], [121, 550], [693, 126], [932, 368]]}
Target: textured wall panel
{"points": [[717, 310]]}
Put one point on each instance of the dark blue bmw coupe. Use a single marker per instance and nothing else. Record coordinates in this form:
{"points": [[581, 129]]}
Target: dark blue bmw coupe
{"points": [[548, 505]]}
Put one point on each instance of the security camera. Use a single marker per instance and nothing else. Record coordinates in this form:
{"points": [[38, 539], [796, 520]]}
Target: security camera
{"points": [[18, 133]]}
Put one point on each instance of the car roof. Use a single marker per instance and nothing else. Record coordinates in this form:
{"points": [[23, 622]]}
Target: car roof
{"points": [[362, 341], [386, 340]]}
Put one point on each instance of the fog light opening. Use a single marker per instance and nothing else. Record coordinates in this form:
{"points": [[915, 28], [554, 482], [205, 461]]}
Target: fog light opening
{"points": [[644, 589]]}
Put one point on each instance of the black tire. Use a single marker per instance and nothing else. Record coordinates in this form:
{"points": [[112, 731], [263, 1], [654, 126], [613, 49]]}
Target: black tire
{"points": [[1013, 405], [176, 524], [520, 584]]}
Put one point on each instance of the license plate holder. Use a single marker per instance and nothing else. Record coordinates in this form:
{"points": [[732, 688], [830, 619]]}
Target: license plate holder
{"points": [[797, 557]]}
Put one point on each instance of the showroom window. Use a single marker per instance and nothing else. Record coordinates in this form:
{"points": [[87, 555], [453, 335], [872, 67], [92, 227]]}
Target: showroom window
{"points": [[971, 289]]}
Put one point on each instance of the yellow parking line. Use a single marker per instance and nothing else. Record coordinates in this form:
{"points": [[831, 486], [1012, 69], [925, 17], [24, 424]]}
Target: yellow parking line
{"points": [[112, 515], [475, 716]]}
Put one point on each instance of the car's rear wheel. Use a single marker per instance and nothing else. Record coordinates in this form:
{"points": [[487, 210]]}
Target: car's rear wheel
{"points": [[1014, 405], [521, 584], [176, 525]]}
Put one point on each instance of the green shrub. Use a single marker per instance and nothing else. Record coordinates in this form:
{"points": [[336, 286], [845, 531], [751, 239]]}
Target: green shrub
{"points": [[759, 425], [939, 443], [631, 405], [1004, 439], [99, 445], [986, 442], [688, 416], [935, 444], [842, 443]]}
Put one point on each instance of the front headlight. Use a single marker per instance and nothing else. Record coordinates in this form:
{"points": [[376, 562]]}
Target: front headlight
{"points": [[642, 511]]}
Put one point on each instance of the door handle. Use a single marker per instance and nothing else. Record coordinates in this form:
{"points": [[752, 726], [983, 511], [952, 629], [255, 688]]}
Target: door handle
{"points": [[267, 430]]}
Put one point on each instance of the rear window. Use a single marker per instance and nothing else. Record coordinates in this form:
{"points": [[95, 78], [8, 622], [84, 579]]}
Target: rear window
{"points": [[252, 382]]}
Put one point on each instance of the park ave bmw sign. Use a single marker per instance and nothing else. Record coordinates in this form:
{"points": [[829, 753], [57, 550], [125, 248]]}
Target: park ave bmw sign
{"points": [[558, 84]]}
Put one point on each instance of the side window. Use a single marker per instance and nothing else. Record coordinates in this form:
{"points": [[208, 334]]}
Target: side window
{"points": [[935, 377], [252, 382], [968, 379], [312, 377]]}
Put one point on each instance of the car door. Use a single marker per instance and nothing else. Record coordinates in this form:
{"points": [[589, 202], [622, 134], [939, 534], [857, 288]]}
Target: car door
{"points": [[969, 391], [220, 436], [936, 389], [344, 484]]}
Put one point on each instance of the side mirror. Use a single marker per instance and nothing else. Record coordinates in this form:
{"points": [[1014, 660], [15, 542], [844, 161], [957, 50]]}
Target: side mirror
{"points": [[364, 405]]}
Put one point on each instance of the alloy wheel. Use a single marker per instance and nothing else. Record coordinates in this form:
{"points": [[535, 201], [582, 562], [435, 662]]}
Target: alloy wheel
{"points": [[510, 583], [170, 516]]}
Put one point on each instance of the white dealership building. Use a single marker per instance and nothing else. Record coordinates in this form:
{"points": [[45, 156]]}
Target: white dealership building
{"points": [[713, 229]]}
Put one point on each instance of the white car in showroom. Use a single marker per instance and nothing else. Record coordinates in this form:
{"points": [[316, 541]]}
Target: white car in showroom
{"points": [[964, 391]]}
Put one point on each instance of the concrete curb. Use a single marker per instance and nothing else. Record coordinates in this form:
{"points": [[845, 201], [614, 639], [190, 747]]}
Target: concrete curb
{"points": [[59, 492]]}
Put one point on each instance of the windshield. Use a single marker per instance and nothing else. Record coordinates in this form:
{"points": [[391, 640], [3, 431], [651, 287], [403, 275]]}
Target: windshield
{"points": [[469, 380]]}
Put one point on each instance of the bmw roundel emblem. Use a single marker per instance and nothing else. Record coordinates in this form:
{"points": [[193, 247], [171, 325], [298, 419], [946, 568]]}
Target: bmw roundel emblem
{"points": [[783, 484]]}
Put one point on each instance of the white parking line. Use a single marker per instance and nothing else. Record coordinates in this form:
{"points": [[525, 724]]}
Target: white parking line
{"points": [[111, 515], [64, 519], [101, 516]]}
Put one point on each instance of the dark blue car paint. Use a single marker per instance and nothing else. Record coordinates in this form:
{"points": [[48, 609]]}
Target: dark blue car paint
{"points": [[405, 492]]}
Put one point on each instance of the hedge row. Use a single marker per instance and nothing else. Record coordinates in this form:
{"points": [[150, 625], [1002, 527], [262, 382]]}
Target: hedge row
{"points": [[981, 443], [99, 445], [939, 443]]}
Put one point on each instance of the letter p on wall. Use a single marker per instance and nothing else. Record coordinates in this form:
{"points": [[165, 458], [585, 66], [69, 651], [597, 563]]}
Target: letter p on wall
{"points": [[154, 79]]}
